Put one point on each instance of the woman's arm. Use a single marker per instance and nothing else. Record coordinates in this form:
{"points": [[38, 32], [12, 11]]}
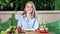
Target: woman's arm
{"points": [[36, 24], [20, 22], [19, 25]]}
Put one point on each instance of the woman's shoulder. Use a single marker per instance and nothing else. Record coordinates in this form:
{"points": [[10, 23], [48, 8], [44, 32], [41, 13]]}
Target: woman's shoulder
{"points": [[21, 16], [35, 18]]}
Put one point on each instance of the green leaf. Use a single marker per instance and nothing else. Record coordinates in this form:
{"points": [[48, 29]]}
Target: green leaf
{"points": [[11, 5], [1, 6], [7, 1], [45, 5], [0, 2], [4, 4]]}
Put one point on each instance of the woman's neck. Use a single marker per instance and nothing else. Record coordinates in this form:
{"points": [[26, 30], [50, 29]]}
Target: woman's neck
{"points": [[28, 16]]}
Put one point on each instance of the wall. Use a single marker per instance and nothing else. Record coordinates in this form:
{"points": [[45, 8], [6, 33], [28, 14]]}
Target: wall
{"points": [[48, 16]]}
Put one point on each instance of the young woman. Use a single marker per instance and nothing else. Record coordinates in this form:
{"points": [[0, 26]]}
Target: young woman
{"points": [[28, 19]]}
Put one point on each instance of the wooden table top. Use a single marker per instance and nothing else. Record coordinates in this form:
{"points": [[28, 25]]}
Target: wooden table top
{"points": [[36, 33]]}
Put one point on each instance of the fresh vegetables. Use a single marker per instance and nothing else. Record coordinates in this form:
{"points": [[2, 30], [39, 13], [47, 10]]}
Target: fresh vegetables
{"points": [[43, 27]]}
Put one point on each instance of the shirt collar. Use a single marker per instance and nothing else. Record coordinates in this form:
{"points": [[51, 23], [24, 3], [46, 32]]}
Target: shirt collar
{"points": [[25, 16]]}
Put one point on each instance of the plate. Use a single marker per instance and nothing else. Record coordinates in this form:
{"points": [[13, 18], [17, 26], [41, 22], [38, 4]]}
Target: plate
{"points": [[28, 30]]}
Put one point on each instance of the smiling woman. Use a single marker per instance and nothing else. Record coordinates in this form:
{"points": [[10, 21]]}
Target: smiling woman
{"points": [[28, 19]]}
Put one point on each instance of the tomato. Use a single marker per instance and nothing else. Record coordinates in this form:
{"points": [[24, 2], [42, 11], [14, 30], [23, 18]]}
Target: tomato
{"points": [[19, 28], [43, 31], [47, 31], [38, 30]]}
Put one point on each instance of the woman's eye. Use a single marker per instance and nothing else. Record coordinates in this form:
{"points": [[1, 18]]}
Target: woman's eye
{"points": [[27, 6], [31, 7]]}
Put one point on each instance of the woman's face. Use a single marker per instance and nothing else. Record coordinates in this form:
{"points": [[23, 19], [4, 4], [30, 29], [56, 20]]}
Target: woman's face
{"points": [[29, 8]]}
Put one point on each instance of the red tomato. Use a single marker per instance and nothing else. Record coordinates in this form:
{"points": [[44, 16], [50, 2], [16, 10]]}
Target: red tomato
{"points": [[43, 31], [38, 30], [19, 28], [47, 31]]}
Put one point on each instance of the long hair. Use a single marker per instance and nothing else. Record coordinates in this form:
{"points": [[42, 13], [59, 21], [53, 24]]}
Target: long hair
{"points": [[34, 9]]}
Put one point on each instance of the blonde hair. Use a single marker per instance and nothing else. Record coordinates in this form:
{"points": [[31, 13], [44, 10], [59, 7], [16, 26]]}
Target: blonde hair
{"points": [[34, 9]]}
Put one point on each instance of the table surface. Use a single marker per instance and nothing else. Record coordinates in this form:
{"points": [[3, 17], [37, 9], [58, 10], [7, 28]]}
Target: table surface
{"points": [[36, 33]]}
